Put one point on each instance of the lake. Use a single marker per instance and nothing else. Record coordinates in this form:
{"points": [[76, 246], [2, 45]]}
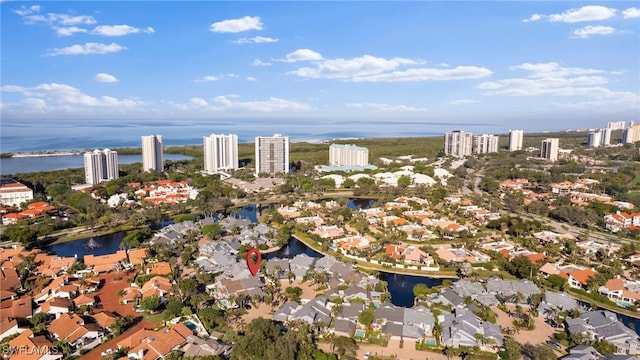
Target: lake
{"points": [[60, 162]]}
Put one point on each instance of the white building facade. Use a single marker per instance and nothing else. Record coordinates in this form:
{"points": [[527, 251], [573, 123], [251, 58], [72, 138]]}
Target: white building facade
{"points": [[515, 140], [484, 144], [616, 125], [272, 154], [152, 153], [100, 165], [631, 134], [220, 152], [594, 139], [458, 143], [549, 149], [348, 155], [14, 193]]}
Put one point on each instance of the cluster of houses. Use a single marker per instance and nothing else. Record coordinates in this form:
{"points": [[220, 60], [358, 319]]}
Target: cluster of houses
{"points": [[579, 195], [156, 193], [391, 178], [70, 300], [33, 211]]}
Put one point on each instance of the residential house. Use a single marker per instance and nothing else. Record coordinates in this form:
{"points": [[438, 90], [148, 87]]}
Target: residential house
{"points": [[624, 292], [605, 325], [56, 307], [461, 327], [27, 346], [149, 345], [518, 291], [104, 263], [73, 330]]}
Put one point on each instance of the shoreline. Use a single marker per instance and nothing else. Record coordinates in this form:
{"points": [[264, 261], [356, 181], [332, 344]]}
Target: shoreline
{"points": [[46, 154]]}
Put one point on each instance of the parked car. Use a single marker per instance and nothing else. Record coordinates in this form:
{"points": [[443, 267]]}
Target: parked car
{"points": [[554, 344]]}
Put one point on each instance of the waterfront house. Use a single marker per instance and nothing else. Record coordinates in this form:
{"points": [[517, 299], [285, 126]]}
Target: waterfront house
{"points": [[604, 325]]}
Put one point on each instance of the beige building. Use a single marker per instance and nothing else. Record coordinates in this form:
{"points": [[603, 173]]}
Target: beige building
{"points": [[152, 153], [515, 140], [549, 149], [484, 144], [458, 143], [272, 154], [348, 155]]}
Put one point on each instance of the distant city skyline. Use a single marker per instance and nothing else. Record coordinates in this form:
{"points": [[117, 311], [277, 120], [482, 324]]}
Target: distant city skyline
{"points": [[566, 65]]}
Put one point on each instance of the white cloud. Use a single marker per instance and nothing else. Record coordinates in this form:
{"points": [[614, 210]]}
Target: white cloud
{"points": [[585, 13], [210, 78], [105, 78], [631, 13], [258, 62], [534, 17], [23, 11], [385, 107], [227, 104], [64, 19], [589, 30], [237, 25], [553, 69], [64, 99], [302, 55], [198, 101], [551, 79], [119, 30], [463, 102], [251, 78], [87, 49], [375, 69], [271, 105], [255, 40], [68, 31]]}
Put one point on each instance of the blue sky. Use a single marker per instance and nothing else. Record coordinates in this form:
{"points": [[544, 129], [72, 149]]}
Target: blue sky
{"points": [[564, 64]]}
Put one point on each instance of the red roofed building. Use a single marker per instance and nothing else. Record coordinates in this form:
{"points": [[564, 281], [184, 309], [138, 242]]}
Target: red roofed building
{"points": [[14, 193], [29, 347], [72, 329], [580, 278], [151, 345]]}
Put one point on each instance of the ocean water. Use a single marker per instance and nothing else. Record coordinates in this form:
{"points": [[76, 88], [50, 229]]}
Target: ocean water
{"points": [[29, 136], [60, 162]]}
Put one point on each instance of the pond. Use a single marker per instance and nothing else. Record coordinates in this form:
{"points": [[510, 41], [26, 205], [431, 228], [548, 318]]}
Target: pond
{"points": [[95, 245]]}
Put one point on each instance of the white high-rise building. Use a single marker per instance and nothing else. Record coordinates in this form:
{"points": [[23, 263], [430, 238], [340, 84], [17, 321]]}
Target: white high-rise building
{"points": [[549, 149], [483, 144], [605, 137], [100, 166], [152, 153], [515, 140], [348, 155], [594, 139], [272, 154], [616, 125], [458, 143], [631, 134], [220, 152]]}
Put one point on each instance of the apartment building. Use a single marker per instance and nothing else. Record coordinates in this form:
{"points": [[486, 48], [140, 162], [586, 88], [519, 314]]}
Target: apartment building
{"points": [[483, 144], [348, 155], [100, 165], [458, 143], [515, 140], [220, 152], [152, 153], [549, 149], [272, 154]]}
